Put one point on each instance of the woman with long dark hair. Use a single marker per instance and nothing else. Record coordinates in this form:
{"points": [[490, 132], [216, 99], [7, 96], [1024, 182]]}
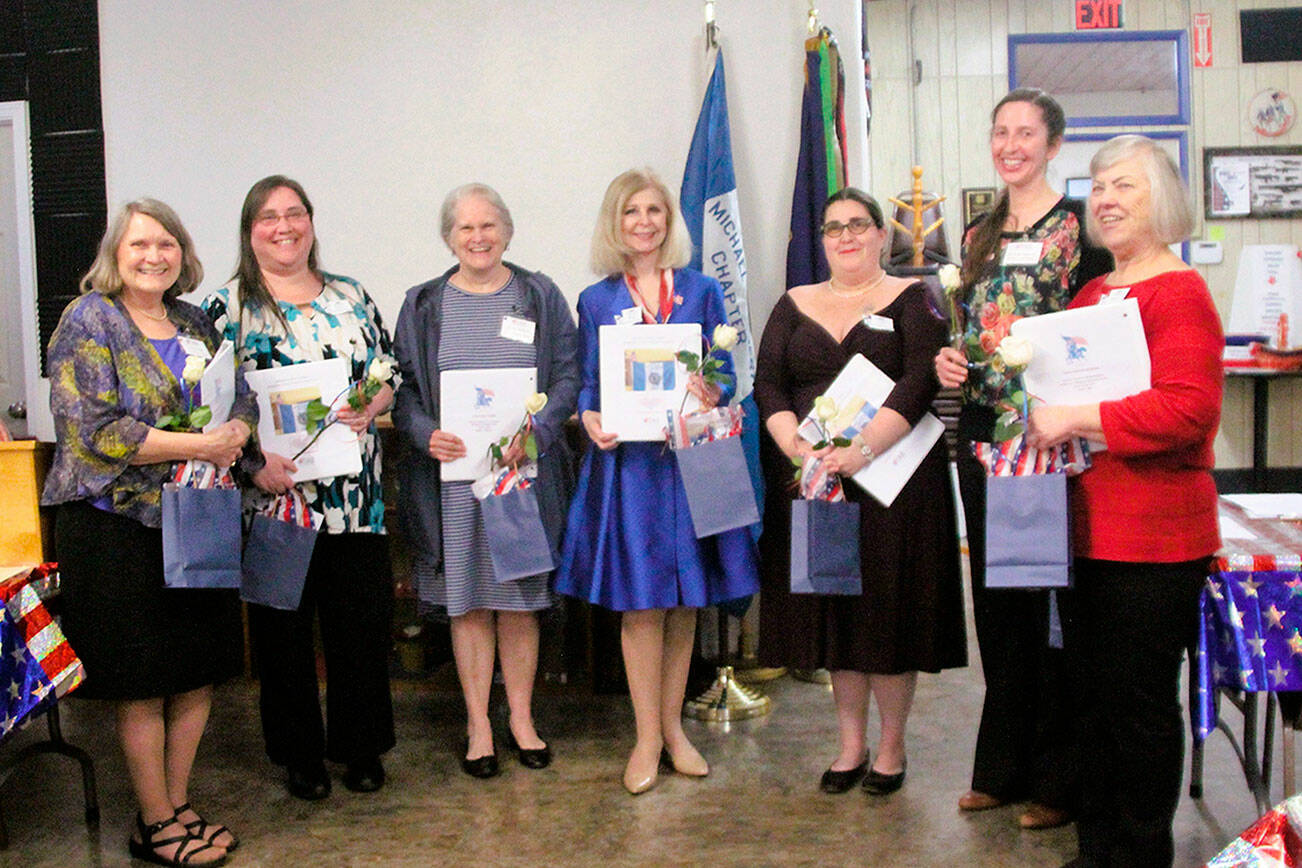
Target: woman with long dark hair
{"points": [[1027, 256], [281, 309]]}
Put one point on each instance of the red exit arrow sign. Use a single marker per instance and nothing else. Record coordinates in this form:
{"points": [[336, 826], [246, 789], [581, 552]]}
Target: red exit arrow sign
{"points": [[1202, 38]]}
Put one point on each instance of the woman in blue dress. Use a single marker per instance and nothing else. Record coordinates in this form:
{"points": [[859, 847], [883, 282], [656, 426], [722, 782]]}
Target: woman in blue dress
{"points": [[630, 546]]}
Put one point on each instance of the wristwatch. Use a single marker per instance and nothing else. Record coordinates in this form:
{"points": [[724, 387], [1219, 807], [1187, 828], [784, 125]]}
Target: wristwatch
{"points": [[866, 451]]}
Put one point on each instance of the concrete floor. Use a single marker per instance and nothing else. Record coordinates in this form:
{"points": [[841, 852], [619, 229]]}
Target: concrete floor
{"points": [[759, 806]]}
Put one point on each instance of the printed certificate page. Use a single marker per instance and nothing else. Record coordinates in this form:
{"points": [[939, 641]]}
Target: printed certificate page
{"points": [[217, 386], [481, 406], [1086, 355], [641, 378], [859, 391], [283, 396]]}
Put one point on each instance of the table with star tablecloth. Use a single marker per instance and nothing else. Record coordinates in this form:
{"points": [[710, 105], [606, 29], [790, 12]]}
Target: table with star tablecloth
{"points": [[1250, 640], [37, 667]]}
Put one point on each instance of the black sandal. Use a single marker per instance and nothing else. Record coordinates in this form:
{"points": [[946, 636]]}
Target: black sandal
{"points": [[205, 831], [146, 849]]}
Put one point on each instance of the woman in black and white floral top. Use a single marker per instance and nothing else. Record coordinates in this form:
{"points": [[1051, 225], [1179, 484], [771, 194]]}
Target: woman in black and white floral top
{"points": [[281, 309]]}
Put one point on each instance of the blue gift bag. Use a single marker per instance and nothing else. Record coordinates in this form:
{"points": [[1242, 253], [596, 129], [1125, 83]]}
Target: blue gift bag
{"points": [[825, 548], [276, 558], [717, 482], [517, 540], [1028, 540], [201, 537]]}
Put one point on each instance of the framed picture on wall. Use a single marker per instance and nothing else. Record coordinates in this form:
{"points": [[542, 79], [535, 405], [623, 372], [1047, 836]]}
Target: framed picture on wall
{"points": [[1252, 182], [1107, 78], [977, 201]]}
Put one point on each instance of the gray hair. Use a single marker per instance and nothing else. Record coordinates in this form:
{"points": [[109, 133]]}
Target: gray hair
{"points": [[1171, 211], [448, 214]]}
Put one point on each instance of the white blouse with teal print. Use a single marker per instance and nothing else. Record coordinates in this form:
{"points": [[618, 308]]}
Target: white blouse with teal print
{"points": [[343, 322]]}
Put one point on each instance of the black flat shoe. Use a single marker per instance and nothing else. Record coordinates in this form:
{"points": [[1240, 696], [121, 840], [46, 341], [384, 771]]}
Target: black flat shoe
{"points": [[364, 776], [530, 758], [479, 767], [838, 782], [310, 784], [877, 784]]}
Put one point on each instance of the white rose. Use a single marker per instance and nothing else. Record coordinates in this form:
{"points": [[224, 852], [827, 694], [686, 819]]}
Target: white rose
{"points": [[1015, 352], [380, 370], [725, 337], [535, 402], [194, 368], [824, 408], [949, 276]]}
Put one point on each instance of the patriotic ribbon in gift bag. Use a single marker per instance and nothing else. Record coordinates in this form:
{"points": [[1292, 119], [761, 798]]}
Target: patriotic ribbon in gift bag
{"points": [[1013, 458], [1274, 841], [37, 665]]}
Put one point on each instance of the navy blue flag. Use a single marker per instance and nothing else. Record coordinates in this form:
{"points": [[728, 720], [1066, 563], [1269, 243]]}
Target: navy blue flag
{"points": [[709, 203]]}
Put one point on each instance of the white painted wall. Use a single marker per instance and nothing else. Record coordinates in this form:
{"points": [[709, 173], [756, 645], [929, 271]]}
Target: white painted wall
{"points": [[379, 108]]}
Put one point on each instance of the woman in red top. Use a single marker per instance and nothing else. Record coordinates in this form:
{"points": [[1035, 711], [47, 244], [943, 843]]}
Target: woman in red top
{"points": [[1144, 516]]}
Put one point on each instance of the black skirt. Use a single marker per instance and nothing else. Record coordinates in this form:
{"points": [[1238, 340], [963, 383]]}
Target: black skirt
{"points": [[137, 638]]}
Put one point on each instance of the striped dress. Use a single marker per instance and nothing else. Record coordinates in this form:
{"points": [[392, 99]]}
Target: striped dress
{"points": [[470, 338]]}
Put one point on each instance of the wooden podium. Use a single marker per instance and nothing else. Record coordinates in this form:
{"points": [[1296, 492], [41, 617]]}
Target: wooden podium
{"points": [[26, 531]]}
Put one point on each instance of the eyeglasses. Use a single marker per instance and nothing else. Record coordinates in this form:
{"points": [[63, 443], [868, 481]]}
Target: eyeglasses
{"points": [[835, 228], [271, 218]]}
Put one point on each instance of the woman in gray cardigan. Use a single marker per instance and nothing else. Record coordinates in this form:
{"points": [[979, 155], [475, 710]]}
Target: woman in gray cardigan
{"points": [[483, 313]]}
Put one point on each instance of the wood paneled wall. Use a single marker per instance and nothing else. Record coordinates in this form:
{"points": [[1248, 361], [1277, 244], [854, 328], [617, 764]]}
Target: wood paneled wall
{"points": [[942, 123]]}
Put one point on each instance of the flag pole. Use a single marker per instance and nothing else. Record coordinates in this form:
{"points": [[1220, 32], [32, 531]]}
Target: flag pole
{"points": [[726, 699]]}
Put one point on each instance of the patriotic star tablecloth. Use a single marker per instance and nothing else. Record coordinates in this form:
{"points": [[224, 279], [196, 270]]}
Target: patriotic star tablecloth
{"points": [[1251, 615], [37, 665]]}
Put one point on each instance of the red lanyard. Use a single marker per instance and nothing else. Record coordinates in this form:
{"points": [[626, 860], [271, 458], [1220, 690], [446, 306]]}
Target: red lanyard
{"points": [[666, 297]]}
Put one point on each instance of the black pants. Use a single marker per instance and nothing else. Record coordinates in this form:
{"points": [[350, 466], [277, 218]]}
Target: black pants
{"points": [[350, 586], [1130, 626], [1024, 743]]}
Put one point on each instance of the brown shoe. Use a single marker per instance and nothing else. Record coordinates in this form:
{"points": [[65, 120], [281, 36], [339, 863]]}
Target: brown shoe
{"points": [[975, 800], [1038, 816]]}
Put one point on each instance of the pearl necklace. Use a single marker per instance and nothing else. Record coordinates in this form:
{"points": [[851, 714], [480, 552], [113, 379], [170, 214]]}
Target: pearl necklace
{"points": [[140, 310], [855, 293]]}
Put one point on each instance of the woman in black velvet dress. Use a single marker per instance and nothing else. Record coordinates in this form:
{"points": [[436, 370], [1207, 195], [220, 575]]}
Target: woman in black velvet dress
{"points": [[910, 615]]}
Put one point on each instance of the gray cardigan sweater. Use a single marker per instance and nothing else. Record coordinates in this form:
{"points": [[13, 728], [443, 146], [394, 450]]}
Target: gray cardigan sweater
{"points": [[416, 409]]}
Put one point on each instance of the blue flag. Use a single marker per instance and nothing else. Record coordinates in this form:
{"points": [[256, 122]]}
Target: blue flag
{"points": [[709, 203], [820, 166]]}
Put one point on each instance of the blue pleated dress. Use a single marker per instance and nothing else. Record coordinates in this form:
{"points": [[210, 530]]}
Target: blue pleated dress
{"points": [[629, 542]]}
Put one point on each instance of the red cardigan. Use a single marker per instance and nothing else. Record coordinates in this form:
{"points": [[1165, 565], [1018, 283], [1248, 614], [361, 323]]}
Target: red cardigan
{"points": [[1150, 497]]}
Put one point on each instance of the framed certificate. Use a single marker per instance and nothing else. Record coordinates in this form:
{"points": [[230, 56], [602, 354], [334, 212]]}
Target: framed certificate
{"points": [[641, 377], [859, 392], [283, 396], [481, 405]]}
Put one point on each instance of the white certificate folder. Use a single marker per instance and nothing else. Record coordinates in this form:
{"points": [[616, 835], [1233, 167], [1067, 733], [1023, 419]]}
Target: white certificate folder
{"points": [[481, 406], [283, 396], [1086, 355], [859, 392], [642, 381]]}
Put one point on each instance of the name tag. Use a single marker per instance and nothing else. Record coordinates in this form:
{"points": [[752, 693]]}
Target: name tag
{"points": [[879, 323], [1114, 295], [629, 316], [338, 307], [516, 329], [194, 347], [1022, 253]]}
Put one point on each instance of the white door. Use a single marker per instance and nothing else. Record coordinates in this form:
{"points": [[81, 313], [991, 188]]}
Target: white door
{"points": [[24, 396], [13, 387]]}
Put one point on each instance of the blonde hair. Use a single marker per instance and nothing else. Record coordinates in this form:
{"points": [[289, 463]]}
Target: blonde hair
{"points": [[1171, 212], [104, 277], [610, 255]]}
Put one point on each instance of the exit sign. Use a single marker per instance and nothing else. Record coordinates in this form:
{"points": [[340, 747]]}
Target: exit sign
{"points": [[1098, 14]]}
